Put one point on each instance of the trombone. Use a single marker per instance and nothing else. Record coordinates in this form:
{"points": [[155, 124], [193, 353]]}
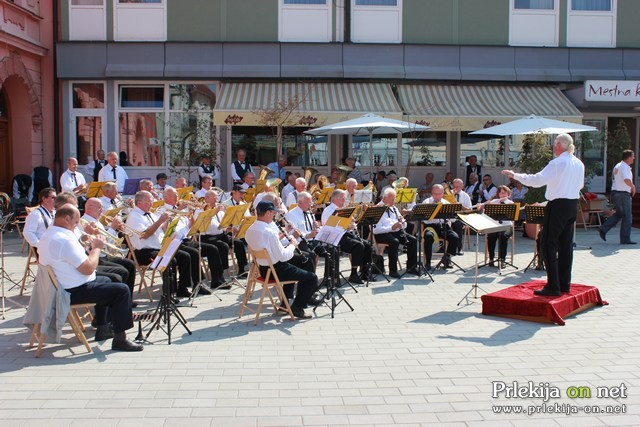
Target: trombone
{"points": [[116, 241], [110, 248], [127, 229]]}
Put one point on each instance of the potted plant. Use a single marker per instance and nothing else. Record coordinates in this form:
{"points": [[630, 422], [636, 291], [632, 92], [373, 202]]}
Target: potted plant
{"points": [[535, 155]]}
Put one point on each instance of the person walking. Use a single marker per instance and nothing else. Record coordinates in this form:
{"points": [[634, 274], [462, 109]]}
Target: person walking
{"points": [[622, 191]]}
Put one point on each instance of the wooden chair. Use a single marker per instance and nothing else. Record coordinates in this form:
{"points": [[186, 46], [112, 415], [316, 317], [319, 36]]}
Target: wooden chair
{"points": [[142, 270], [19, 222], [380, 247], [32, 260], [269, 282], [73, 318]]}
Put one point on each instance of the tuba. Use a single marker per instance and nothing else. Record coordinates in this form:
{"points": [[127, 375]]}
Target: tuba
{"points": [[265, 171], [309, 172], [448, 195], [400, 183], [322, 182], [344, 172]]}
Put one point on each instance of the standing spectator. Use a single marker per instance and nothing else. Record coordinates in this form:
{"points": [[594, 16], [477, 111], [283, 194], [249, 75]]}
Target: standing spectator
{"points": [[622, 191], [94, 167], [473, 167], [240, 167]]}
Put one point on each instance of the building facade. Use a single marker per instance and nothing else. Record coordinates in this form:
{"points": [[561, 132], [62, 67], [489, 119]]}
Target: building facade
{"points": [[164, 80], [27, 137]]}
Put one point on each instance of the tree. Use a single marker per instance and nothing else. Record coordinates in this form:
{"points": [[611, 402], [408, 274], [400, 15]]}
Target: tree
{"points": [[535, 155], [617, 141]]}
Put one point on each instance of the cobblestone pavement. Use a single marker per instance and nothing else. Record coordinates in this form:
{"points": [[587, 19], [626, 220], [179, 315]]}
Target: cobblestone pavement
{"points": [[407, 355]]}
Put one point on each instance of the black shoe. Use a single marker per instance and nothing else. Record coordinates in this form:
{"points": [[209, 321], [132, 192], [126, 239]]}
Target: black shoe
{"points": [[104, 332], [414, 271], [460, 252], [125, 345], [134, 304], [628, 243], [316, 299], [602, 234], [394, 274], [491, 263], [183, 293], [299, 313], [204, 291], [354, 279], [503, 264], [546, 293], [222, 286]]}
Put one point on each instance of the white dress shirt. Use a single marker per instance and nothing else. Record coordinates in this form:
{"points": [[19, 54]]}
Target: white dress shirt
{"points": [[107, 203], [327, 212], [89, 167], [201, 193], [98, 224], [303, 221], [286, 190], [68, 183], [292, 198], [61, 250], [215, 174], [106, 174], [234, 174], [464, 199], [387, 220], [489, 194], [214, 227], [36, 224], [261, 235], [182, 226], [140, 221], [563, 176], [621, 172], [160, 191]]}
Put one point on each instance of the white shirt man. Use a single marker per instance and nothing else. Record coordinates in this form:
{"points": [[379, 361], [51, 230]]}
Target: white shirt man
{"points": [[39, 220], [240, 167], [113, 172], [289, 188], [140, 221], [71, 179], [301, 218], [292, 198]]}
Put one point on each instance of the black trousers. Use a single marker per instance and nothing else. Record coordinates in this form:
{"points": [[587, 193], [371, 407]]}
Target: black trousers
{"points": [[492, 238], [122, 263], [223, 248], [458, 228], [210, 252], [307, 282], [239, 248], [106, 295], [393, 240], [451, 237], [182, 259], [556, 242], [359, 249]]}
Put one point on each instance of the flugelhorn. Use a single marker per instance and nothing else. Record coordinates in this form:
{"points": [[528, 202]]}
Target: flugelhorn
{"points": [[116, 241]]}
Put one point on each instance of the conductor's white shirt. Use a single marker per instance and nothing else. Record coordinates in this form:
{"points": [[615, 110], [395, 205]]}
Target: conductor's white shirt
{"points": [[563, 176]]}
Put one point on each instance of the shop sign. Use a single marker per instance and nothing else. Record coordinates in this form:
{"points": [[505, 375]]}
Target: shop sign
{"points": [[612, 90]]}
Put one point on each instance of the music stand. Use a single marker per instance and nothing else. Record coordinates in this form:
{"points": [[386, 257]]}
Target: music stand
{"points": [[419, 213], [246, 222], [481, 224], [95, 189], [260, 186], [200, 225], [446, 212], [166, 307], [132, 185], [249, 194], [405, 196], [535, 215], [344, 212], [371, 217], [503, 212], [324, 196], [332, 280], [233, 216], [184, 193]]}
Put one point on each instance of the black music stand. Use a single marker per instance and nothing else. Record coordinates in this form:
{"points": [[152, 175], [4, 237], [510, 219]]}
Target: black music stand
{"points": [[419, 213], [502, 212], [535, 215], [166, 307], [481, 224], [371, 217], [445, 213]]}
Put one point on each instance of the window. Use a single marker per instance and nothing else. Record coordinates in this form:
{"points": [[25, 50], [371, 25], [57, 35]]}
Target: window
{"points": [[305, 1], [595, 5], [88, 117], [88, 133], [88, 95], [87, 20], [87, 2], [428, 150], [376, 2], [140, 1], [141, 97], [140, 20], [534, 4]]}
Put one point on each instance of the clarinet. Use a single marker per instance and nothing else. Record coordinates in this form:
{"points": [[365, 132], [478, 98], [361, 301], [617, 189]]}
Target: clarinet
{"points": [[297, 250]]}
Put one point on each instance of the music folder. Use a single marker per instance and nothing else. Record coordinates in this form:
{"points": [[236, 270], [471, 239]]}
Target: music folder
{"points": [[95, 189], [333, 230], [164, 257]]}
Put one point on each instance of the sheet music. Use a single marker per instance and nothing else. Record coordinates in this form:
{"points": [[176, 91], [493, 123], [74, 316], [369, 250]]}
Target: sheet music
{"points": [[363, 196], [330, 235], [161, 262]]}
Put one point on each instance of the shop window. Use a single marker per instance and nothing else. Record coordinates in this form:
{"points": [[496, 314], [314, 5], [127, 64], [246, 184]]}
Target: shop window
{"points": [[87, 20], [534, 23], [490, 152], [88, 95], [376, 21], [260, 145], [141, 136], [430, 149], [141, 97]]}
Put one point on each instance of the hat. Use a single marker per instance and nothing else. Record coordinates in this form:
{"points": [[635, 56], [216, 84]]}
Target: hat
{"points": [[263, 207], [238, 188]]}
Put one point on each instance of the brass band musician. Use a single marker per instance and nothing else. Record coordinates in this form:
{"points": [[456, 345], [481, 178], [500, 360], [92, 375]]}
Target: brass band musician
{"points": [[390, 230], [437, 193]]}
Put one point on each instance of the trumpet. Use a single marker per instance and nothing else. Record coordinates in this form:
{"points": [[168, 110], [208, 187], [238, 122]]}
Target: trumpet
{"points": [[116, 241], [192, 204], [127, 229], [111, 249]]}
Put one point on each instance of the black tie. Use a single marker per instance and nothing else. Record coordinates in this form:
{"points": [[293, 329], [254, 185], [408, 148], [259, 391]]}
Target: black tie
{"points": [[308, 222], [114, 173], [148, 215], [113, 202], [73, 175], [457, 197]]}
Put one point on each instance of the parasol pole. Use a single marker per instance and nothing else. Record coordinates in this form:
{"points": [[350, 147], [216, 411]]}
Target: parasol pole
{"points": [[370, 152]]}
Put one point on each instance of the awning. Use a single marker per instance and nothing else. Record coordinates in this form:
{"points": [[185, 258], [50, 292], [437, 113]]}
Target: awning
{"points": [[313, 104], [471, 107]]}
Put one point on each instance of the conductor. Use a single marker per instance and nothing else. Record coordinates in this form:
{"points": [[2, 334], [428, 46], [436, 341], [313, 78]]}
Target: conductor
{"points": [[564, 177]]}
